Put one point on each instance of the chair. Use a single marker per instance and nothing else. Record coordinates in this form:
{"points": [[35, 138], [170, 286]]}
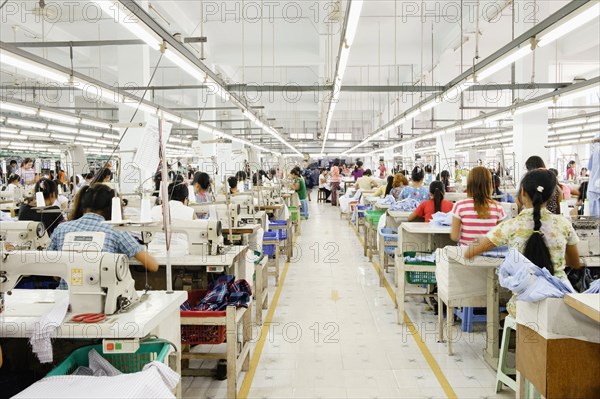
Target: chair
{"points": [[503, 375]]}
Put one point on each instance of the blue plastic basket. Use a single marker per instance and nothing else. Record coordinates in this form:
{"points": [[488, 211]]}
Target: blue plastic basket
{"points": [[361, 215], [281, 233], [389, 235], [269, 249]]}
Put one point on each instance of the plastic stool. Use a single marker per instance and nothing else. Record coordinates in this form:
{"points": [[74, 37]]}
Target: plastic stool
{"points": [[468, 317], [304, 208], [504, 372]]}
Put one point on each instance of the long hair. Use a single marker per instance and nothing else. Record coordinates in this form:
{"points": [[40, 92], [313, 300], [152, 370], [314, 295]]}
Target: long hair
{"points": [[417, 174], [539, 186], [96, 198], [436, 188], [400, 180], [497, 182], [445, 178], [390, 185], [479, 187]]}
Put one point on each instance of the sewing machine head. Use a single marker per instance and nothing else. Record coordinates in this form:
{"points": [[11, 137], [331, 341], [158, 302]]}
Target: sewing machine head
{"points": [[99, 283], [229, 215], [246, 203], [24, 235], [589, 237], [204, 236]]}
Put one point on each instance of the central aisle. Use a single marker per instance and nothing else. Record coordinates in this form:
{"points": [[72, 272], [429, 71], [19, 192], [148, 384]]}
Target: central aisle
{"points": [[334, 331]]}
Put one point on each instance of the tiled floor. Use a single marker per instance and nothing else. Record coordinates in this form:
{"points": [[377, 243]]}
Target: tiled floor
{"points": [[334, 332]]}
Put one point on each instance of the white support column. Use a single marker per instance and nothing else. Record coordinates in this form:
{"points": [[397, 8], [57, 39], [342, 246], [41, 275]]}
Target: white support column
{"points": [[134, 68]]}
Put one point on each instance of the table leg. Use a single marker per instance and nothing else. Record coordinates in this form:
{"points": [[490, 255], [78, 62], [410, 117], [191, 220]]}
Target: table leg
{"points": [[382, 260], [440, 320], [492, 350], [365, 241], [258, 291], [371, 238], [400, 291], [232, 351], [449, 323]]}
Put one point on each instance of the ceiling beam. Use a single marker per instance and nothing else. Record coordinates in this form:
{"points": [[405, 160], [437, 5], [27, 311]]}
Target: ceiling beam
{"points": [[79, 43]]}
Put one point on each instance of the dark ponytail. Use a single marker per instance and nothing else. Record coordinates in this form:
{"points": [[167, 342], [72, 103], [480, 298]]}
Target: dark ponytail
{"points": [[539, 186], [497, 182], [436, 188], [96, 198]]}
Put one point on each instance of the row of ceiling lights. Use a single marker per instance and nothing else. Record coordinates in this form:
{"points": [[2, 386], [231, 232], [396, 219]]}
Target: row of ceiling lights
{"points": [[584, 14]]}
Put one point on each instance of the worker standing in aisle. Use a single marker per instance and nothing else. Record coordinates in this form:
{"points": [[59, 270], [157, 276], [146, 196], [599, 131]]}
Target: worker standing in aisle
{"points": [[299, 186], [335, 182]]}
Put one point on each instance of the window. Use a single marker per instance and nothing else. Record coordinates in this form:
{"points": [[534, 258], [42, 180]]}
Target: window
{"points": [[302, 136], [341, 136]]}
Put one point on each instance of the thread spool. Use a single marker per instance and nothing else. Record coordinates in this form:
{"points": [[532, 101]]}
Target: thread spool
{"points": [[145, 211], [116, 210], [39, 200]]}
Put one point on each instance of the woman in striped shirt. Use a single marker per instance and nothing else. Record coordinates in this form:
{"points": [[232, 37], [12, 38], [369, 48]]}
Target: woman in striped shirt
{"points": [[479, 213]]}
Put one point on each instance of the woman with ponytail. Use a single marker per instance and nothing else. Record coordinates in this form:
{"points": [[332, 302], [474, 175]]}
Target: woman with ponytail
{"points": [[91, 208], [415, 190], [50, 219], [547, 240], [436, 203]]}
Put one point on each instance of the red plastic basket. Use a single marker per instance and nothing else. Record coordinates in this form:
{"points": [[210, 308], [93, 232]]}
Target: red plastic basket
{"points": [[201, 335]]}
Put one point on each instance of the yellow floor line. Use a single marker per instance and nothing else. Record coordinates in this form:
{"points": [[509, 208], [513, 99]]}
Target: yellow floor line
{"points": [[435, 367], [249, 377]]}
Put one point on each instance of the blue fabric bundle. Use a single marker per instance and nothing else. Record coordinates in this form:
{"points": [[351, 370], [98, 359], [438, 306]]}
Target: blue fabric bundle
{"points": [[529, 282], [441, 219], [594, 288], [407, 205]]}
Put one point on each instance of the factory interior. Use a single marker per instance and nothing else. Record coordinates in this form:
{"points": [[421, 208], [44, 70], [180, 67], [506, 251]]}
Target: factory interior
{"points": [[361, 199]]}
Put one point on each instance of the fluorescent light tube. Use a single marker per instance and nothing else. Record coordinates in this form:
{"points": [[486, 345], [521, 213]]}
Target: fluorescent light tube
{"points": [[503, 62], [62, 136], [58, 117], [90, 122], [4, 106], [32, 67], [571, 22], [90, 133], [20, 122], [189, 123], [352, 24], [532, 107], [63, 129], [124, 17], [184, 64]]}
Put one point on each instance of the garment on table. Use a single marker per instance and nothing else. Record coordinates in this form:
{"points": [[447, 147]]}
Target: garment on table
{"points": [[39, 338], [50, 220], [155, 381], [407, 205], [5, 217], [441, 219], [347, 199], [471, 225], [395, 192], [498, 252], [594, 288], [427, 208], [388, 200], [419, 258], [506, 197], [418, 193], [558, 233], [529, 282]]}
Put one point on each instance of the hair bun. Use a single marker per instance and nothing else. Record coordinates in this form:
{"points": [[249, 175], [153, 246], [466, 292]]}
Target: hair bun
{"points": [[540, 189]]}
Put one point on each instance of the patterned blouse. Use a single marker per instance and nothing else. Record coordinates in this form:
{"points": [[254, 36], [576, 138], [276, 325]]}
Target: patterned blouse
{"points": [[420, 194], [558, 233]]}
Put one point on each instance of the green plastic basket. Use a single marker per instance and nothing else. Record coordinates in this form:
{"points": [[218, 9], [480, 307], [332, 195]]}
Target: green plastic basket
{"points": [[419, 277], [373, 216], [125, 362], [294, 215]]}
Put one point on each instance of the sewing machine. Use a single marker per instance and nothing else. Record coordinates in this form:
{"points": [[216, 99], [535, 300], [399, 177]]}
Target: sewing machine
{"points": [[229, 215], [204, 236], [101, 283], [510, 209], [589, 239], [24, 235]]}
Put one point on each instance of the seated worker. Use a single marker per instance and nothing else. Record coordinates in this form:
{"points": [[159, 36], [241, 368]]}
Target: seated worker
{"points": [[547, 240], [232, 182], [51, 220], [385, 189], [436, 203], [178, 210], [324, 185], [400, 181], [366, 181], [499, 195], [201, 185], [13, 187], [93, 206]]}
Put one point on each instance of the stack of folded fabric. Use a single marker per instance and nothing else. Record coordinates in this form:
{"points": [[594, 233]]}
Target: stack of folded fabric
{"points": [[441, 219], [407, 205]]}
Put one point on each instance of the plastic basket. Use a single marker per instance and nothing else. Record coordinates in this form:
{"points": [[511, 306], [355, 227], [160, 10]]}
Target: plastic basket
{"points": [[125, 362], [419, 277], [389, 235], [373, 216], [269, 249], [192, 334], [281, 233], [293, 214]]}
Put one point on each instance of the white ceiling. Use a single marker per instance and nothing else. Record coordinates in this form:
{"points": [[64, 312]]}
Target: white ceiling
{"points": [[393, 46]]}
